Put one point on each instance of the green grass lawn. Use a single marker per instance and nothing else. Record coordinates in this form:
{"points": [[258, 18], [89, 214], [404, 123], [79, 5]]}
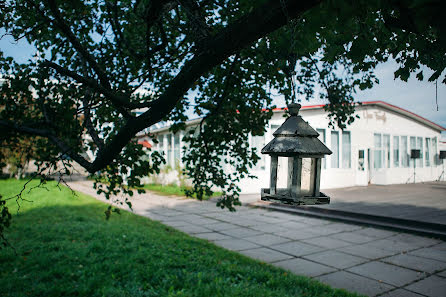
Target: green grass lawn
{"points": [[65, 247], [172, 190]]}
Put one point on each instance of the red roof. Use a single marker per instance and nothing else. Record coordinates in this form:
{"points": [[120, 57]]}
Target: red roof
{"points": [[382, 103], [145, 143]]}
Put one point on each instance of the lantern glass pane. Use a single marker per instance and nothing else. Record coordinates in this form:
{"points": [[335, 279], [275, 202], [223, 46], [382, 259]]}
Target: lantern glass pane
{"points": [[306, 183], [282, 172]]}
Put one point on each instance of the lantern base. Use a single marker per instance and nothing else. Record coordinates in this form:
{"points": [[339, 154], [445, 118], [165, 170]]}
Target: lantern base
{"points": [[283, 196]]}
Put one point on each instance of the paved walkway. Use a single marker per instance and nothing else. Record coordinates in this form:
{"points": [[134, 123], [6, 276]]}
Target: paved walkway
{"points": [[369, 261], [421, 202], [424, 202]]}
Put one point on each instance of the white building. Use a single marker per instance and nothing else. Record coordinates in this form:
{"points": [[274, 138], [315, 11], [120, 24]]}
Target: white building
{"points": [[375, 149]]}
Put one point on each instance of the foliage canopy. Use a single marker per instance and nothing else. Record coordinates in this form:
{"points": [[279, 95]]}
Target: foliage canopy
{"points": [[107, 70]]}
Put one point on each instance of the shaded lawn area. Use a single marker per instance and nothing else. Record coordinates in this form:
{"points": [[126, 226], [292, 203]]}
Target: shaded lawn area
{"points": [[65, 247]]}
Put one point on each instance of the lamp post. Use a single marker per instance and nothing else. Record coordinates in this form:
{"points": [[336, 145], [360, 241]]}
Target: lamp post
{"points": [[297, 141]]}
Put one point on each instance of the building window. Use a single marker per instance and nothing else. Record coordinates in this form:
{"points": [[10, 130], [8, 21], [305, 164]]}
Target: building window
{"points": [[322, 138], [413, 146], [169, 149], [161, 144], [420, 147], [434, 152], [396, 151], [257, 143], [176, 149], [377, 152], [335, 149], [386, 151], [404, 155], [273, 129], [427, 156], [346, 150]]}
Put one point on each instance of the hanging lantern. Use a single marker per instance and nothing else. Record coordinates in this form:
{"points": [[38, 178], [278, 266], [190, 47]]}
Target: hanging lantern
{"points": [[297, 141]]}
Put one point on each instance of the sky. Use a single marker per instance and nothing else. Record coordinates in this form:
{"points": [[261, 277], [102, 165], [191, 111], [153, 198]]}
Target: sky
{"points": [[415, 96]]}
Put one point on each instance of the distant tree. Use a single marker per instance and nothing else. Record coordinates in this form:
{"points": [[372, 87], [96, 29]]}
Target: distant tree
{"points": [[16, 156], [101, 61]]}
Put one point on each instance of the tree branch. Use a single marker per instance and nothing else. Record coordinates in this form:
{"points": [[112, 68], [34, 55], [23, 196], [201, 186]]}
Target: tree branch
{"points": [[196, 18], [118, 101], [89, 125], [259, 22], [154, 11], [59, 22]]}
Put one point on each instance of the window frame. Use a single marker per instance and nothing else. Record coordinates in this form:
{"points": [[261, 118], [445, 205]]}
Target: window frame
{"points": [[324, 141], [334, 158], [349, 165], [396, 151]]}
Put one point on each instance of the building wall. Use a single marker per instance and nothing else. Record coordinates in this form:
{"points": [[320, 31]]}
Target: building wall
{"points": [[376, 125]]}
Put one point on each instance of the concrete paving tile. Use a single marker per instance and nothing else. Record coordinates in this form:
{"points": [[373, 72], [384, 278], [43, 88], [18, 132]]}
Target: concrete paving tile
{"points": [[220, 226], [245, 223], [240, 232], [294, 225], [265, 255], [304, 267], [341, 227], [401, 293], [440, 246], [212, 236], [203, 221], [375, 232], [269, 220], [227, 218], [315, 222], [267, 239], [430, 253], [192, 229], [352, 237], [190, 217], [391, 245], [354, 283], [416, 263], [433, 286], [322, 230], [419, 241], [169, 213], [297, 234], [366, 251], [269, 228], [235, 244], [176, 223], [327, 242], [297, 248], [286, 216], [387, 273], [442, 274], [336, 259]]}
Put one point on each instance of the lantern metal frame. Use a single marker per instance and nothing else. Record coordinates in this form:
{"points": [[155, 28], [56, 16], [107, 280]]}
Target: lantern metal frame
{"points": [[296, 140]]}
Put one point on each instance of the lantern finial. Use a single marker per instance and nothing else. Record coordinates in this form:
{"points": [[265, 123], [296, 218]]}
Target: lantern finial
{"points": [[293, 108]]}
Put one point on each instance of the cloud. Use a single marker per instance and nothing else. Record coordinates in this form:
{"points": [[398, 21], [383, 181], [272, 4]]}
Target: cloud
{"points": [[414, 95]]}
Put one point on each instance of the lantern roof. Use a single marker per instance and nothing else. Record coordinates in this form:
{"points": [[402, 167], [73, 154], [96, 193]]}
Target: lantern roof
{"points": [[295, 137]]}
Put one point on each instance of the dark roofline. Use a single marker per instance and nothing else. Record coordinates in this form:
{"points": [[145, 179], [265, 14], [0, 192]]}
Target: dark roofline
{"points": [[385, 105], [364, 103]]}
